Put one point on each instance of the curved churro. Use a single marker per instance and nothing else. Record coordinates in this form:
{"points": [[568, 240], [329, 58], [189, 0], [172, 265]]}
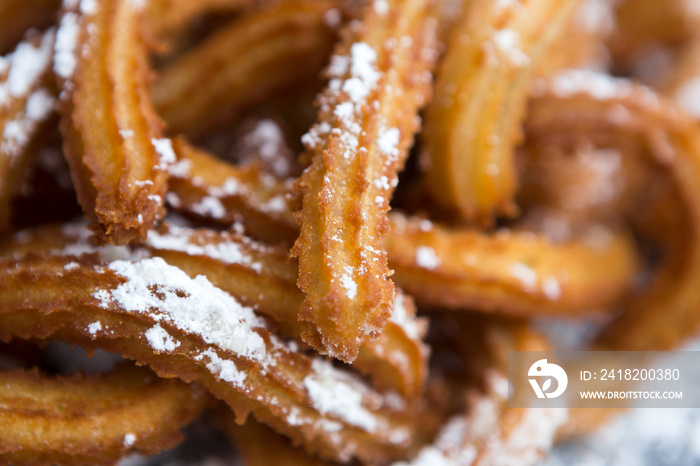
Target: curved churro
{"points": [[519, 274], [259, 276], [166, 17], [93, 419], [154, 313], [613, 113], [487, 432], [253, 56], [380, 78], [473, 122], [516, 273], [111, 132], [202, 185]]}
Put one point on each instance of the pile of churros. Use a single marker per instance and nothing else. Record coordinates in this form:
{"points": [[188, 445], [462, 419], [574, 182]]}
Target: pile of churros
{"points": [[324, 223]]}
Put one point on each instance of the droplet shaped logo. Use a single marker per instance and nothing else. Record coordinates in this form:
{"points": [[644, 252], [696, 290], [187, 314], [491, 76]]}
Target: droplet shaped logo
{"points": [[541, 369]]}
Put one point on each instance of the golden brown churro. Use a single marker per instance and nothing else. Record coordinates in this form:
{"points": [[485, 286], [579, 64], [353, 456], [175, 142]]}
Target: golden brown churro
{"points": [[154, 313], [270, 286], [519, 274], [93, 419], [380, 78], [252, 57], [473, 122], [112, 137], [617, 113]]}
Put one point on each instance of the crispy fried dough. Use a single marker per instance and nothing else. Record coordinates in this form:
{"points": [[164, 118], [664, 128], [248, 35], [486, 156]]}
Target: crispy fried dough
{"points": [[518, 274], [472, 125], [380, 77], [154, 313], [262, 52], [112, 135], [93, 419], [261, 277], [612, 113]]}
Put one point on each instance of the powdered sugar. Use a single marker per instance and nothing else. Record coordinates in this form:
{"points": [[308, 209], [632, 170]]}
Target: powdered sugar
{"points": [[426, 257], [164, 147], [532, 436], [551, 288], [88, 7], [600, 86], [225, 369], [65, 60], [192, 305], [129, 440], [347, 281], [526, 275], [508, 43], [688, 96], [27, 64], [94, 327], [160, 339], [184, 239], [18, 132], [266, 141], [407, 322], [340, 397], [126, 133], [388, 142], [364, 75], [381, 6], [208, 206]]}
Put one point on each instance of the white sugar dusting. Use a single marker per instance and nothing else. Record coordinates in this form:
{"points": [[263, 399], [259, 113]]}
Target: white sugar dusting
{"points": [[129, 440], [27, 64], [180, 169], [330, 394], [362, 60], [192, 305], [356, 76], [348, 282], [407, 322], [551, 288], [688, 96], [183, 239], [126, 133], [381, 6], [477, 436], [18, 132], [426, 257], [596, 16], [160, 339], [388, 142], [88, 7], [225, 369], [94, 327], [164, 147], [209, 206], [179, 304], [526, 275], [569, 83], [531, 439], [266, 140], [508, 43], [65, 59]]}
